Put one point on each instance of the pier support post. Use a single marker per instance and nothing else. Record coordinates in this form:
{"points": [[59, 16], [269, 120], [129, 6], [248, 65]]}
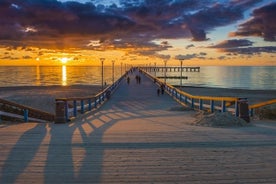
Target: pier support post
{"points": [[60, 112], [244, 109]]}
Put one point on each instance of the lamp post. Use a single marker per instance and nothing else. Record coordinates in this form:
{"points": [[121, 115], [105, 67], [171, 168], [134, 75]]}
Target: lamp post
{"points": [[181, 63], [165, 72], [102, 62], [113, 61]]}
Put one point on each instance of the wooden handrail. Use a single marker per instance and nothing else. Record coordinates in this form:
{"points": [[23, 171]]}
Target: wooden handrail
{"points": [[230, 99], [32, 112], [269, 102], [67, 110], [202, 102]]}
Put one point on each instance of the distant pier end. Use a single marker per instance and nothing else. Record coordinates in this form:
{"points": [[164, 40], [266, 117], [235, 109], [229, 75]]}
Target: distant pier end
{"points": [[170, 69]]}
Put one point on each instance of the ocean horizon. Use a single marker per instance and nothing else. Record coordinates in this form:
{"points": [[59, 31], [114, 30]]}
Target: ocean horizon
{"points": [[234, 77]]}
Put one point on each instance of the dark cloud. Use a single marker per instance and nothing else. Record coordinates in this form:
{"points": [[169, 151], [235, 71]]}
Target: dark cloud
{"points": [[233, 43], [185, 57], [189, 46], [27, 57], [214, 15], [222, 57], [201, 55], [262, 24], [164, 57], [242, 46], [252, 50]]}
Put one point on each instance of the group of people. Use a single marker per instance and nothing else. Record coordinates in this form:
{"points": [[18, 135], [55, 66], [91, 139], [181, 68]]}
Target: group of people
{"points": [[137, 78], [160, 89]]}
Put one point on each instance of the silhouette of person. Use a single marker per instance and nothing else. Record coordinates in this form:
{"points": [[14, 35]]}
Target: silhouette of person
{"points": [[162, 89], [158, 91], [128, 80]]}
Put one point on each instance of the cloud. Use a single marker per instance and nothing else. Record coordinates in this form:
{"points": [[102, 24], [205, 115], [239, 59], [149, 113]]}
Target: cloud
{"points": [[262, 24], [186, 57], [164, 57], [233, 43], [189, 46], [27, 57], [242, 46], [252, 50], [222, 57]]}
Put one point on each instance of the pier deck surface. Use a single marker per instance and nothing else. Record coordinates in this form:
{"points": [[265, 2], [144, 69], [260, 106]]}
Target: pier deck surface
{"points": [[137, 137]]}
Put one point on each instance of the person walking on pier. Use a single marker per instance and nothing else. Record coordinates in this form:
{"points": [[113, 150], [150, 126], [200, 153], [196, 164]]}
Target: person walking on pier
{"points": [[158, 91], [162, 89], [128, 80]]}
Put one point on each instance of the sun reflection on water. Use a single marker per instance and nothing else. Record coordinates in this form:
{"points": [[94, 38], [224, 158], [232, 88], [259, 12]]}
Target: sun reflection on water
{"points": [[37, 81], [64, 75]]}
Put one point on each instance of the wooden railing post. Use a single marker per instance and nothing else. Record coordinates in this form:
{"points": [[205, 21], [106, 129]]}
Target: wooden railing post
{"points": [[82, 106], [223, 106], [193, 103], [200, 104], [75, 108], [212, 106], [237, 109], [26, 115], [89, 104], [186, 99], [66, 111]]}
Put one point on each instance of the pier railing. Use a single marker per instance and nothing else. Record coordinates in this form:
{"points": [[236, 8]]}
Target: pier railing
{"points": [[22, 112], [238, 106], [68, 108], [222, 104], [254, 107]]}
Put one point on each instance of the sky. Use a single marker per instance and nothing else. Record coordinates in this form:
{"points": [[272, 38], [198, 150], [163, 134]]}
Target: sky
{"points": [[138, 32]]}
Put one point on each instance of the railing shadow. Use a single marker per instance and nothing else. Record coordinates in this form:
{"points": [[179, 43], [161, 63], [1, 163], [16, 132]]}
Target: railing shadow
{"points": [[22, 153]]}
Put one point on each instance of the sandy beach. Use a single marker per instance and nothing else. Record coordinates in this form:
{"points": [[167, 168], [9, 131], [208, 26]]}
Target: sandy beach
{"points": [[43, 97]]}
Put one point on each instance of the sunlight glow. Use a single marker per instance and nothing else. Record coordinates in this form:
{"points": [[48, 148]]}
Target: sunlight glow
{"points": [[64, 60]]}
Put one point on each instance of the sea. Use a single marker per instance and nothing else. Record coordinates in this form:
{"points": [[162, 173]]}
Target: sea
{"points": [[236, 77]]}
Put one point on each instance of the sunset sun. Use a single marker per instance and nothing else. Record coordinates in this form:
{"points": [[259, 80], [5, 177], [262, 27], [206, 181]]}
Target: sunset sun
{"points": [[64, 60]]}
